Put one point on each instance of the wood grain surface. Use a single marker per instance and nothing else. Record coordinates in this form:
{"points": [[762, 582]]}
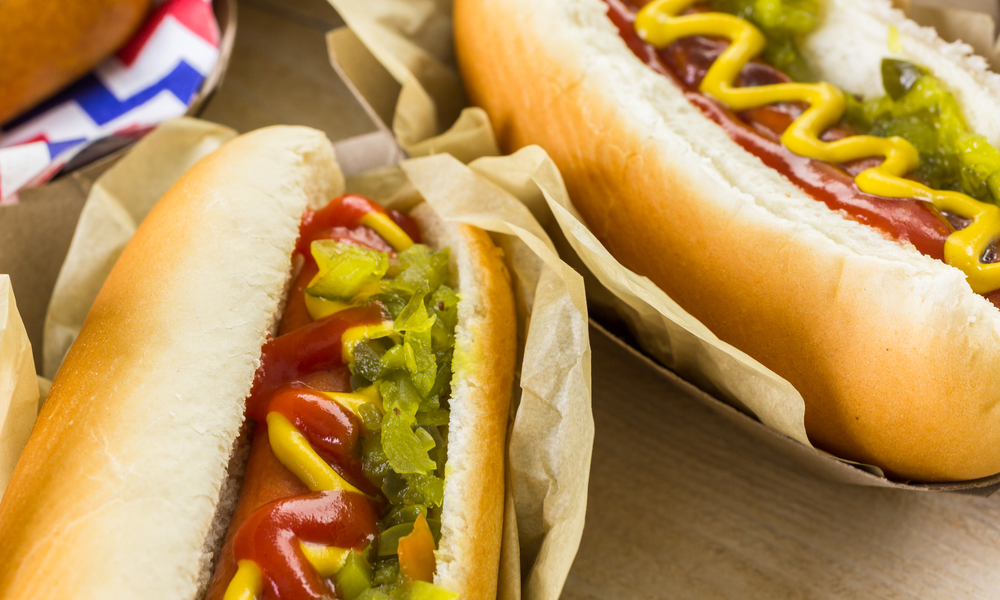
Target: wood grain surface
{"points": [[682, 504]]}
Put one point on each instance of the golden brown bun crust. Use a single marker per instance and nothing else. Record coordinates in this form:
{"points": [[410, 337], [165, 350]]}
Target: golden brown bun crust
{"points": [[46, 44], [887, 377], [118, 485]]}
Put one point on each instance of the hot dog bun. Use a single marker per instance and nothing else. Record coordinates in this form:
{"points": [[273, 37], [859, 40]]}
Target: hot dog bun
{"points": [[46, 44], [895, 356], [118, 490]]}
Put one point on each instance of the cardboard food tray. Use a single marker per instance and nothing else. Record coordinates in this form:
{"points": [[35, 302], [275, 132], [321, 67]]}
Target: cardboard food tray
{"points": [[369, 81], [35, 233], [809, 460]]}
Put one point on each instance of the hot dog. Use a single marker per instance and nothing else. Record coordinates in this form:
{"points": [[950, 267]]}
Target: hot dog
{"points": [[374, 374], [816, 182]]}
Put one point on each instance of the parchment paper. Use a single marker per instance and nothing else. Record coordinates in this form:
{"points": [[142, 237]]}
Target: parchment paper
{"points": [[551, 431], [18, 386], [415, 46], [412, 41]]}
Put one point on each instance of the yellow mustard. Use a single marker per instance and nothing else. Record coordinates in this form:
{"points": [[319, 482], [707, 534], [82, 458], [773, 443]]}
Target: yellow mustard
{"points": [[387, 228], [248, 582], [362, 332], [293, 450], [320, 307], [658, 24], [353, 401], [327, 560]]}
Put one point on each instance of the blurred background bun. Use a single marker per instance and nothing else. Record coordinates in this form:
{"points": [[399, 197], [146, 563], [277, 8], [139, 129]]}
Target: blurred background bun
{"points": [[46, 44]]}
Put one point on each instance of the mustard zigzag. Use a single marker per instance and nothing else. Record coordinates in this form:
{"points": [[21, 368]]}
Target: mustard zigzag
{"points": [[658, 24]]}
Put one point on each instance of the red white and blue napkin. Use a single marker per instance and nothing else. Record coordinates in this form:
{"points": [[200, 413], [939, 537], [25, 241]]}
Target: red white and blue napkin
{"points": [[154, 77]]}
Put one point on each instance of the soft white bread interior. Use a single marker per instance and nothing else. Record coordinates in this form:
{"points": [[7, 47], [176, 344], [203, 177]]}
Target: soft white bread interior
{"points": [[896, 358], [118, 491], [855, 35]]}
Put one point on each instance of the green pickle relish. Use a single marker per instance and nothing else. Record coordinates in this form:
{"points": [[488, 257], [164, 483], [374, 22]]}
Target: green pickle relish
{"points": [[404, 444], [917, 108], [783, 23]]}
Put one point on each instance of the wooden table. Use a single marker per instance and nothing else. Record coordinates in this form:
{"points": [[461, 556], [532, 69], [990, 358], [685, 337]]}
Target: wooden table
{"points": [[682, 504]]}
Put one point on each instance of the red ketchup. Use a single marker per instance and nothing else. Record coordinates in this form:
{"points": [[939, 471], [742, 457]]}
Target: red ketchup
{"points": [[315, 347], [331, 429], [307, 357], [339, 220], [271, 536], [759, 130]]}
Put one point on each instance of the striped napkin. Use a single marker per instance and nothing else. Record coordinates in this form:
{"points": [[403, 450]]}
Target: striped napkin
{"points": [[154, 77]]}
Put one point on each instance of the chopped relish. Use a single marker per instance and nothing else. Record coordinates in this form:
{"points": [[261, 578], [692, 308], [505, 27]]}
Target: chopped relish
{"points": [[917, 108], [403, 447], [783, 23]]}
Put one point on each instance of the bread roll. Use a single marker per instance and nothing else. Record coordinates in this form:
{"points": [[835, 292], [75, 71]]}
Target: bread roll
{"points": [[47, 44], [896, 358]]}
